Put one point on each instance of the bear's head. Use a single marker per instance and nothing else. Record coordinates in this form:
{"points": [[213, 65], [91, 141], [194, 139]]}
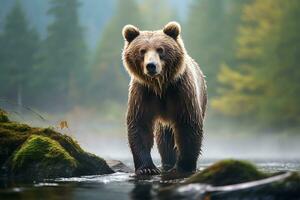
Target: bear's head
{"points": [[154, 56]]}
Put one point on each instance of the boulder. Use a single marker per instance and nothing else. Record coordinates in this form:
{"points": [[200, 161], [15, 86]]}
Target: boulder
{"points": [[119, 166], [42, 157], [235, 179], [37, 153], [227, 172]]}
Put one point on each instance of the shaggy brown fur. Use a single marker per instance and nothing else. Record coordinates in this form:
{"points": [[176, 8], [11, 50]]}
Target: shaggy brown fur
{"points": [[169, 102]]}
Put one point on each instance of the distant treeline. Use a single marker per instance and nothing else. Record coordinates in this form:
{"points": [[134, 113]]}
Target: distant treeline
{"points": [[248, 50]]}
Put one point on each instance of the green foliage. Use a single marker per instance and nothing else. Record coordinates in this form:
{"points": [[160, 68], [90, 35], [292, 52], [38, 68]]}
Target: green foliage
{"points": [[210, 35], [227, 172], [265, 82]]}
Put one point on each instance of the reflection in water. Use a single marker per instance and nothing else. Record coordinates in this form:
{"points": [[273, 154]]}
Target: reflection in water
{"points": [[30, 192], [118, 186], [142, 191]]}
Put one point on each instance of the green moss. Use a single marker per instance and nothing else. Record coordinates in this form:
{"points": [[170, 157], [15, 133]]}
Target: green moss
{"points": [[227, 172], [66, 141], [3, 116], [38, 148], [43, 157], [37, 153], [10, 140], [13, 126], [88, 164]]}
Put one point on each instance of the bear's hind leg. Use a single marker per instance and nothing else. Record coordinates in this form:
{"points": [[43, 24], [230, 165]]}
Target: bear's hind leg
{"points": [[166, 146]]}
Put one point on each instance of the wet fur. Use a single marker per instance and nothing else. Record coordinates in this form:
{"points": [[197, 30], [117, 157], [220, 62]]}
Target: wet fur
{"points": [[173, 59], [169, 108]]}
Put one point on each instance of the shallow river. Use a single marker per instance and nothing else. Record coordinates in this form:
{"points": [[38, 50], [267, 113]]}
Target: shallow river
{"points": [[116, 186]]}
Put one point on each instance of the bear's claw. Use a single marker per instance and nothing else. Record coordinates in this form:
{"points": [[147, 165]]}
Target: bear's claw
{"points": [[147, 171]]}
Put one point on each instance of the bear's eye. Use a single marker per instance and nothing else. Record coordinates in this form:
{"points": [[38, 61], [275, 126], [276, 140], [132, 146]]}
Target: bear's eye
{"points": [[160, 50], [142, 52]]}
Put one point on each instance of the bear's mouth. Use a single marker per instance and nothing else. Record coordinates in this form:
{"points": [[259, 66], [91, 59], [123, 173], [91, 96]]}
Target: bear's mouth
{"points": [[152, 74]]}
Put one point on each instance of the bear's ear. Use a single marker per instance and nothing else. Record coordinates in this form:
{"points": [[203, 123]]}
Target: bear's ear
{"points": [[130, 32], [172, 29]]}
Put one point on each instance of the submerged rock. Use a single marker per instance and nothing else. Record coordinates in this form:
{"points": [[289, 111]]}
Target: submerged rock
{"points": [[119, 166], [38, 153], [235, 179], [227, 172]]}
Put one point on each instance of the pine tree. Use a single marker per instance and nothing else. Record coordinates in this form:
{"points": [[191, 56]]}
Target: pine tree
{"points": [[19, 45], [63, 66], [109, 75]]}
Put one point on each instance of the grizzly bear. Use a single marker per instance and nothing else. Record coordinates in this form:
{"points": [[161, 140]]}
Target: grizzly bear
{"points": [[167, 99]]}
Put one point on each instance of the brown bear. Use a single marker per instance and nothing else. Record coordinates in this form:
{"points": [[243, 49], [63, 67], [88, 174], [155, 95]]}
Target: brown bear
{"points": [[167, 99]]}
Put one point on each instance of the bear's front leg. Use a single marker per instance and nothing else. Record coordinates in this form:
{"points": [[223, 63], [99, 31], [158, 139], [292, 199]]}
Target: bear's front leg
{"points": [[140, 137], [188, 139]]}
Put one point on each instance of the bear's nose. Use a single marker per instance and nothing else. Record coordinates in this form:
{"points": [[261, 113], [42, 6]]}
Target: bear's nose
{"points": [[151, 68]]}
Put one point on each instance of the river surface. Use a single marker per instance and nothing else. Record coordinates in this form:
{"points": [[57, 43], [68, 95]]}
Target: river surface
{"points": [[117, 186]]}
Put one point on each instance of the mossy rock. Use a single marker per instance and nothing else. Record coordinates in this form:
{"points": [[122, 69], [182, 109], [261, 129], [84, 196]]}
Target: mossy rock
{"points": [[238, 174], [12, 126], [227, 172], [88, 164], [11, 138], [3, 116], [17, 141], [41, 157], [285, 187]]}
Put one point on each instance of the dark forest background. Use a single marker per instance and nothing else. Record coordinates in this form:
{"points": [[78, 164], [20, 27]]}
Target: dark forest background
{"points": [[64, 56]]}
